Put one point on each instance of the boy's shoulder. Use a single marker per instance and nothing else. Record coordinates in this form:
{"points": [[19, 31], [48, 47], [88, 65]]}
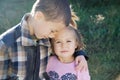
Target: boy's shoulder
{"points": [[10, 36]]}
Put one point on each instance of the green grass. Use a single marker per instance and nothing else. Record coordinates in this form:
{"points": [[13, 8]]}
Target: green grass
{"points": [[101, 38], [11, 12], [104, 66]]}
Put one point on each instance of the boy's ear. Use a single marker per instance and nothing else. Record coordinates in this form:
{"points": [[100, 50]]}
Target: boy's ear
{"points": [[39, 15]]}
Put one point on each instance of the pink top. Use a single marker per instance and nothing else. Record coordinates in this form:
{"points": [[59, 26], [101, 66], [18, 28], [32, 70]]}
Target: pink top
{"points": [[64, 71]]}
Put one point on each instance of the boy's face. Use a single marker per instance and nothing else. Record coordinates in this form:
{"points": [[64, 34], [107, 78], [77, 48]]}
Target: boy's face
{"points": [[46, 29], [64, 44]]}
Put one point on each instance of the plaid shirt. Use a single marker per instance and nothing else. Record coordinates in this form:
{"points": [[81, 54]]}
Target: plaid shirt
{"points": [[21, 56]]}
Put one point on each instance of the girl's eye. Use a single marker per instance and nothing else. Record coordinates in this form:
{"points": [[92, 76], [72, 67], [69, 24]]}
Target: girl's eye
{"points": [[58, 42]]}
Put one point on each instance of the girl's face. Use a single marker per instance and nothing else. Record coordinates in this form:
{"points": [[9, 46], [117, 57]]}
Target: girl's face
{"points": [[65, 44], [45, 29]]}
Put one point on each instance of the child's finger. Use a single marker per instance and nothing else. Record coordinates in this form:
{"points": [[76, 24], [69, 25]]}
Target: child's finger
{"points": [[80, 67], [76, 61]]}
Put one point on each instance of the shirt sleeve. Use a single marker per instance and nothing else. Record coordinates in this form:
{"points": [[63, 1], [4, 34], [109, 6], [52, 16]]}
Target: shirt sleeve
{"points": [[84, 75], [3, 61], [81, 52]]}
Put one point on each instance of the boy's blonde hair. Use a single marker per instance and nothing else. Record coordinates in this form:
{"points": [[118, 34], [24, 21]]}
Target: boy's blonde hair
{"points": [[74, 19]]}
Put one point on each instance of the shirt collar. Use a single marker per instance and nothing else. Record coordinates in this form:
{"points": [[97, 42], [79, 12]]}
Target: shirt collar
{"points": [[26, 38]]}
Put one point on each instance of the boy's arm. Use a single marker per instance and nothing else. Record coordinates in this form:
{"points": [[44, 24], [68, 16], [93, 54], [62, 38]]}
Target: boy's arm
{"points": [[81, 52], [3, 61], [81, 61]]}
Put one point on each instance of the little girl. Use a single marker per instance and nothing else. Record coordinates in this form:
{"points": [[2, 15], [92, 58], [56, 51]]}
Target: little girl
{"points": [[61, 66]]}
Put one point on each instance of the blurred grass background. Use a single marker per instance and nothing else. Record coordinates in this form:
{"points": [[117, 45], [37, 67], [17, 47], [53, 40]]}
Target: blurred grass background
{"points": [[99, 24]]}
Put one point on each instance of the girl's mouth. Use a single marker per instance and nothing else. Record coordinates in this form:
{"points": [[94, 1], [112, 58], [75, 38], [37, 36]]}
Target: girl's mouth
{"points": [[64, 51]]}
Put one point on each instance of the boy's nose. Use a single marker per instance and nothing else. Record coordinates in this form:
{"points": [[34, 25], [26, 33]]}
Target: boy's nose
{"points": [[51, 35]]}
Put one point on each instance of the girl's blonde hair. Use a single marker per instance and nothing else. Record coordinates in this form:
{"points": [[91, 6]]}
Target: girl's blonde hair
{"points": [[78, 37]]}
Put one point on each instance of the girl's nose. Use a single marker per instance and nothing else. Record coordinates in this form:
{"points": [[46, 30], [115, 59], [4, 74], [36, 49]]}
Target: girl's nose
{"points": [[64, 45]]}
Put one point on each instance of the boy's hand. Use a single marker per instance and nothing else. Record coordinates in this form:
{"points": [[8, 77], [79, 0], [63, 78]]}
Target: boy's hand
{"points": [[81, 63]]}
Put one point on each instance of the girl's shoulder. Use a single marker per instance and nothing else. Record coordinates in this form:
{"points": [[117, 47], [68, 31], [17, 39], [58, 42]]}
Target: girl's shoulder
{"points": [[53, 58]]}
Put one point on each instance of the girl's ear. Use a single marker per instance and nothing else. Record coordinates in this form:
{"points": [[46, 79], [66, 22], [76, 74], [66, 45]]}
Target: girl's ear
{"points": [[39, 16], [76, 45]]}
